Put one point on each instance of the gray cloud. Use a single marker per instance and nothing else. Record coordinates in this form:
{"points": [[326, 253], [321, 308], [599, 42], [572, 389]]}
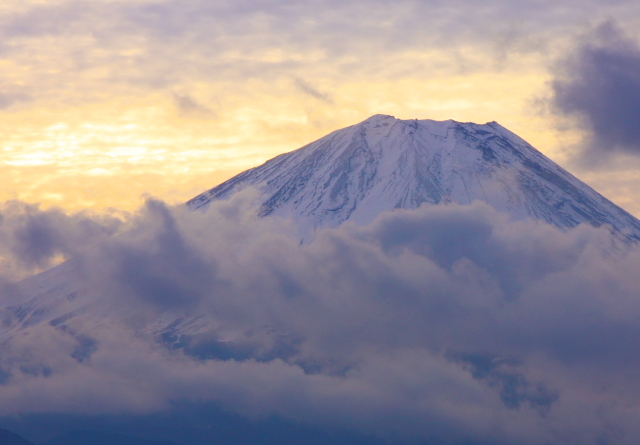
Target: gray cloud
{"points": [[167, 273], [446, 323], [33, 238], [600, 83], [310, 90], [188, 106]]}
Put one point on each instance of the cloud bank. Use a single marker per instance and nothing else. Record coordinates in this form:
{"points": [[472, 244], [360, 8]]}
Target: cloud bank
{"points": [[449, 324]]}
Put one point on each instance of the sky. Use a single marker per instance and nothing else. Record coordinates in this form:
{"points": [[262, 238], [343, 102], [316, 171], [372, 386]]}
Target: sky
{"points": [[104, 102], [439, 325]]}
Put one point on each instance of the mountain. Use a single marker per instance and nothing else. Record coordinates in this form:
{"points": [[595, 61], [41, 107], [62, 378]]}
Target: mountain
{"points": [[87, 313], [386, 163], [353, 174], [9, 438]]}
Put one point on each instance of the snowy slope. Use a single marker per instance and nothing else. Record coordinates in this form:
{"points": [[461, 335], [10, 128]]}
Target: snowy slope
{"points": [[385, 163]]}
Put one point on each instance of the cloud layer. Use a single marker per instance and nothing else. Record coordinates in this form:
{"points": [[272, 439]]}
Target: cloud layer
{"points": [[446, 323], [161, 44]]}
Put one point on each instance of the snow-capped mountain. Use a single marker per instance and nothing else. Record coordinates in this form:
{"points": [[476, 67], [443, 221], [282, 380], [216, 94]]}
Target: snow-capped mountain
{"points": [[386, 163], [355, 174]]}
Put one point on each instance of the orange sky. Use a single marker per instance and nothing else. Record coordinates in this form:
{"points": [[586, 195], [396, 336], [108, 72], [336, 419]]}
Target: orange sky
{"points": [[102, 102]]}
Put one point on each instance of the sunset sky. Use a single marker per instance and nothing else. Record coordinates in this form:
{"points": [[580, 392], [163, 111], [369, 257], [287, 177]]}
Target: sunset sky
{"points": [[104, 101]]}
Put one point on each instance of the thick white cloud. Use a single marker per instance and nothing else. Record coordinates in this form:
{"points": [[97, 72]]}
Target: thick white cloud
{"points": [[448, 323]]}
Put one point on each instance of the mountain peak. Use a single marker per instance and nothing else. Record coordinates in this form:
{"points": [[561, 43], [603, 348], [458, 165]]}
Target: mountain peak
{"points": [[379, 118], [388, 119], [384, 163]]}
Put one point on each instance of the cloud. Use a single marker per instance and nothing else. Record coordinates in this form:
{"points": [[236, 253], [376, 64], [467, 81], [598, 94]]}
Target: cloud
{"points": [[188, 106], [600, 83], [33, 239], [308, 89], [446, 324], [7, 100], [140, 45]]}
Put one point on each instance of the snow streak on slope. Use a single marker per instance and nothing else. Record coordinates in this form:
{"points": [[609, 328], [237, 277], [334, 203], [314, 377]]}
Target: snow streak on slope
{"points": [[385, 163]]}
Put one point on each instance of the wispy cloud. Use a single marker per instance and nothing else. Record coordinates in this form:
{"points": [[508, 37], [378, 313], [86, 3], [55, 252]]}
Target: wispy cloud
{"points": [[188, 106], [310, 90]]}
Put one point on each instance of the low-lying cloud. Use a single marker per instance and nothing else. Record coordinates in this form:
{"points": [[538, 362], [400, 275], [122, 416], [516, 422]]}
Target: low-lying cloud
{"points": [[447, 323], [33, 239]]}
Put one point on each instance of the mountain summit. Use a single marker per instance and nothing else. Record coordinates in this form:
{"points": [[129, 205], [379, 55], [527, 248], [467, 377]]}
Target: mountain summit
{"points": [[384, 163]]}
